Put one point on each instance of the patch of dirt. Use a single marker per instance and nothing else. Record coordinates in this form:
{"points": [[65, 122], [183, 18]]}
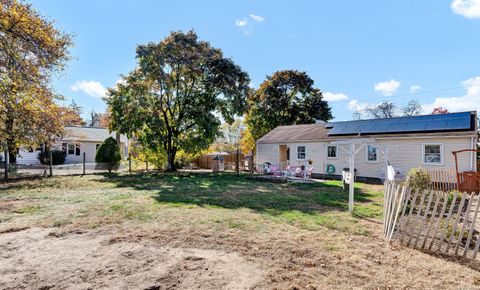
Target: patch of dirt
{"points": [[45, 259], [159, 256]]}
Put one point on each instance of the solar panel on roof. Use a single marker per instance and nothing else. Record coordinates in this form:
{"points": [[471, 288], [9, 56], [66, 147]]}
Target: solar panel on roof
{"points": [[428, 123], [397, 127], [379, 127], [458, 124], [418, 125], [436, 125]]}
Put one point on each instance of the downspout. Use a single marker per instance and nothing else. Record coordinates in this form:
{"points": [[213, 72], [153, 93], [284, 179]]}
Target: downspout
{"points": [[472, 155], [256, 156]]}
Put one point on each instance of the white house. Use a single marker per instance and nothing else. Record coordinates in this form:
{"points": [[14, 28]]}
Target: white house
{"points": [[77, 140], [406, 142]]}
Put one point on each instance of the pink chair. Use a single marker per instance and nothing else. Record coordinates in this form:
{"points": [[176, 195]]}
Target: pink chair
{"points": [[275, 170]]}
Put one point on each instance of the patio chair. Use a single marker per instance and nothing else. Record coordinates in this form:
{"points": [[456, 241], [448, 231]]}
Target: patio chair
{"points": [[298, 172], [289, 172], [275, 170]]}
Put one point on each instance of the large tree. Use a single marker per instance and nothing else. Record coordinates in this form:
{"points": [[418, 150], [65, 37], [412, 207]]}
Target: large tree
{"points": [[31, 50], [285, 98], [94, 119], [175, 96], [75, 114]]}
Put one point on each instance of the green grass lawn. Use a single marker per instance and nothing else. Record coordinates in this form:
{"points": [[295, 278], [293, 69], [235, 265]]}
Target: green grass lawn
{"points": [[214, 200]]}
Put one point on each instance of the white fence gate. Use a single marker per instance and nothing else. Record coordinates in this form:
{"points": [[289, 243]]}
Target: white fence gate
{"points": [[440, 221]]}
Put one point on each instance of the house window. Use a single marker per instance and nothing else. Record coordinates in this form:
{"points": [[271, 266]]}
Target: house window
{"points": [[64, 147], [432, 154], [332, 151], [77, 149], [71, 149], [301, 152], [372, 154]]}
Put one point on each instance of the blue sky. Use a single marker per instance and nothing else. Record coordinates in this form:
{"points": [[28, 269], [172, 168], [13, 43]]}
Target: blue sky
{"points": [[357, 52]]}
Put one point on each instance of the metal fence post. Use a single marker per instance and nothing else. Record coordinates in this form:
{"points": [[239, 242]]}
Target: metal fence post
{"points": [[6, 162], [250, 163], [237, 162], [83, 163], [44, 151], [51, 162], [129, 163]]}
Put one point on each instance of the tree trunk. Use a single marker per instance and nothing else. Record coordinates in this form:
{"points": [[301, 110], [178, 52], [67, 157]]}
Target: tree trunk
{"points": [[12, 153], [171, 160], [12, 150], [171, 152]]}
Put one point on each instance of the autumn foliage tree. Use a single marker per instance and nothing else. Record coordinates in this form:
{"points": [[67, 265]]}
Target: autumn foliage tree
{"points": [[439, 111], [247, 143], [174, 97], [285, 98], [31, 50]]}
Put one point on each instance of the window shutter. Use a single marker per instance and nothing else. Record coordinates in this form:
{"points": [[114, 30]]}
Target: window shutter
{"points": [[77, 149]]}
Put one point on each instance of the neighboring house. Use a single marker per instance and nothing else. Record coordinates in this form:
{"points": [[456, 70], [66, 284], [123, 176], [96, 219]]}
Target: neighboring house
{"points": [[77, 140], [406, 142]]}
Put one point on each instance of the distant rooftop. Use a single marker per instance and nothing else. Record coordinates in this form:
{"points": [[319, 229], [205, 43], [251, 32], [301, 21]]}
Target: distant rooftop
{"points": [[91, 134]]}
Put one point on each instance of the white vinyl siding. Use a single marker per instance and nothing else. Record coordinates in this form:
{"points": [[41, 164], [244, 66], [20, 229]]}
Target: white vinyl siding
{"points": [[26, 157], [267, 153], [90, 149], [403, 154]]}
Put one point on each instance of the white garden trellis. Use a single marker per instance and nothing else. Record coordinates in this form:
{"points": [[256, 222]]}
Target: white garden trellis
{"points": [[351, 152]]}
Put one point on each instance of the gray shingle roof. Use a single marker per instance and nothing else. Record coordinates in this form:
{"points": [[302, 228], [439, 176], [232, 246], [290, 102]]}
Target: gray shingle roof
{"points": [[91, 134], [296, 133]]}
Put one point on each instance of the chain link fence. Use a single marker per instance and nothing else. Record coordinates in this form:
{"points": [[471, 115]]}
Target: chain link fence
{"points": [[12, 171]]}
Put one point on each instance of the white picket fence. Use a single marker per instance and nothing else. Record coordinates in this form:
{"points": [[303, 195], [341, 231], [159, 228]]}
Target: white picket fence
{"points": [[439, 221]]}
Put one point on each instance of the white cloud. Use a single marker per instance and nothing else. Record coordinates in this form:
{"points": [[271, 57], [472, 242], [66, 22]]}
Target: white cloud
{"points": [[354, 105], [120, 82], [466, 8], [247, 26], [257, 18], [91, 88], [387, 88], [241, 22], [333, 97], [468, 102], [415, 88]]}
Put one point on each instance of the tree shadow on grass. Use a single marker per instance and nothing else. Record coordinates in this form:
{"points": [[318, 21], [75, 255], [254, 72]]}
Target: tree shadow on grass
{"points": [[231, 191]]}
